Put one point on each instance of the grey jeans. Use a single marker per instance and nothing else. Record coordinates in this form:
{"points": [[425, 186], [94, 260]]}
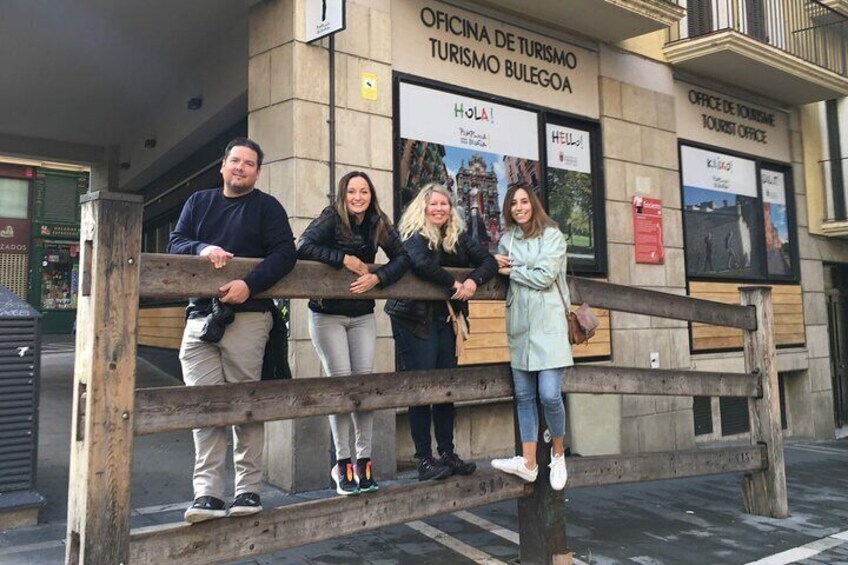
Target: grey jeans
{"points": [[346, 347], [237, 358]]}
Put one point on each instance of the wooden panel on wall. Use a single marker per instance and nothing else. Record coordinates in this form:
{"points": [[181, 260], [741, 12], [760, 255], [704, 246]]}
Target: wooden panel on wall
{"points": [[487, 344], [788, 316], [161, 327]]}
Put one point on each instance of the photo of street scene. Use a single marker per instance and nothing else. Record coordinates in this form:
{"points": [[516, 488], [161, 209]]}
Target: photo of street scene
{"points": [[776, 222], [721, 214], [478, 180]]}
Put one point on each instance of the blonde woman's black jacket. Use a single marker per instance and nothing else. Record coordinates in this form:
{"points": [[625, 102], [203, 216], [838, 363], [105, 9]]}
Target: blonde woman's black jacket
{"points": [[325, 240], [428, 264]]}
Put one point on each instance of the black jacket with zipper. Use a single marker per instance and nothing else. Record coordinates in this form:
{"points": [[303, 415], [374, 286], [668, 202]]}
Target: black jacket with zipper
{"points": [[325, 240], [428, 264]]}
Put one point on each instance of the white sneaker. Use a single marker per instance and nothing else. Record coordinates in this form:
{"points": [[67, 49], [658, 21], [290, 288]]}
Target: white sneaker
{"points": [[558, 473], [516, 466]]}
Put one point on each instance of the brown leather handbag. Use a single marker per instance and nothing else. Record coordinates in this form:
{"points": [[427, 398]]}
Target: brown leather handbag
{"points": [[460, 328], [582, 323]]}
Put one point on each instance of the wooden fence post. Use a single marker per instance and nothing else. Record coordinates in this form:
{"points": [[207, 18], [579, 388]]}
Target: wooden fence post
{"points": [[541, 516], [104, 380], [764, 492]]}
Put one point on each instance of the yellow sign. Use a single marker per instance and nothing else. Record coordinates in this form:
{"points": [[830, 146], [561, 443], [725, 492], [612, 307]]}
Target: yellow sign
{"points": [[369, 86]]}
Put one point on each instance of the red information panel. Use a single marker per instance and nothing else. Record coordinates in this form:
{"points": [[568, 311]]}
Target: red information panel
{"points": [[647, 230]]}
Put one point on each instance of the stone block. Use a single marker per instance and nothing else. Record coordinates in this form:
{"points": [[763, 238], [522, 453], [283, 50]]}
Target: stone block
{"points": [[271, 127], [799, 180], [666, 112], [271, 24], [818, 341], [310, 130], [672, 226], [299, 321], [294, 449], [382, 106], [259, 81], [619, 222], [353, 138], [636, 406], [384, 356], [381, 36], [381, 142], [381, 5], [355, 39], [659, 148], [647, 275], [638, 105], [658, 432], [807, 246], [801, 210], [812, 276], [491, 431], [670, 182], [678, 342], [594, 423], [311, 78], [796, 146], [682, 403], [383, 445], [721, 362], [277, 178], [615, 179], [675, 267], [622, 140], [789, 360], [619, 262], [821, 375], [664, 404], [610, 98], [281, 73], [303, 360], [684, 430], [630, 436], [12, 518], [822, 415], [384, 326], [626, 321], [311, 184]]}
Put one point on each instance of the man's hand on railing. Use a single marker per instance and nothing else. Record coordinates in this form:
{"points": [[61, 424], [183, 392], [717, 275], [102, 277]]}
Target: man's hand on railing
{"points": [[218, 256], [234, 292]]}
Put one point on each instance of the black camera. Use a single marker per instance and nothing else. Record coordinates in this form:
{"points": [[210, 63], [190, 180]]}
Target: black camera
{"points": [[217, 321]]}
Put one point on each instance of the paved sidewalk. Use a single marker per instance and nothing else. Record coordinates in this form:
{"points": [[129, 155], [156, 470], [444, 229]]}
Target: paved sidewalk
{"points": [[668, 522]]}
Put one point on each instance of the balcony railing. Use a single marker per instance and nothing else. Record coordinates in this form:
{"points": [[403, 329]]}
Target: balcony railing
{"points": [[806, 29]]}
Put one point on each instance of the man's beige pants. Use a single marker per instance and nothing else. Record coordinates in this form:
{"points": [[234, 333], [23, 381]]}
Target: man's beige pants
{"points": [[237, 358]]}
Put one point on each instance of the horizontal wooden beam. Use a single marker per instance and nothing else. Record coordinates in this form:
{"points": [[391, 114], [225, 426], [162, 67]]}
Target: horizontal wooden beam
{"points": [[614, 469], [634, 300], [303, 523], [180, 276], [176, 408]]}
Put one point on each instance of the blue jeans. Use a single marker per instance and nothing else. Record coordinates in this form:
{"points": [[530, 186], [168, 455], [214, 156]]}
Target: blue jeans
{"points": [[438, 351], [549, 384]]}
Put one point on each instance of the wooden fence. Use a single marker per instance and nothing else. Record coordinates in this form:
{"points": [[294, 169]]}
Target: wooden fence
{"points": [[108, 411]]}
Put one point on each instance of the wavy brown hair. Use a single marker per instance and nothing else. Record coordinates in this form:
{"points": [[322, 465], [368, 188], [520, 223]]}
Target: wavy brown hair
{"points": [[383, 224], [539, 219]]}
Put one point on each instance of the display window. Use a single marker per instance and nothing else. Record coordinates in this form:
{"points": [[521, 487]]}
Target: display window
{"points": [[59, 276], [479, 146], [738, 218]]}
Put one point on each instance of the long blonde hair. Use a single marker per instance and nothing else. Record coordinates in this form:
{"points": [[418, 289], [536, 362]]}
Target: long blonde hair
{"points": [[414, 220]]}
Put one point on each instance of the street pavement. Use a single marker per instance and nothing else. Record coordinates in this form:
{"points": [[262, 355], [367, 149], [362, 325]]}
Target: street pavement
{"points": [[698, 521]]}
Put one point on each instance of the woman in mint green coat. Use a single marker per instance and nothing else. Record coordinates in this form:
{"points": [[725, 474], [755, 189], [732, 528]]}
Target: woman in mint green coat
{"points": [[532, 254]]}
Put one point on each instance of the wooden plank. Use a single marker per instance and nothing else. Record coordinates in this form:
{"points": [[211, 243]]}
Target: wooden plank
{"points": [[484, 355], [163, 312], [764, 492], [616, 469], [177, 408], [163, 322], [161, 342], [303, 523], [104, 380], [177, 276]]}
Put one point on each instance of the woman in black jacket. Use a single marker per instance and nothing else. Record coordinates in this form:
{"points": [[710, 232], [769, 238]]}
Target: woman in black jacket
{"points": [[344, 332], [434, 237]]}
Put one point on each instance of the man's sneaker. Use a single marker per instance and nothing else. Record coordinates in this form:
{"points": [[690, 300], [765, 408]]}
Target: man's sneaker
{"points": [[363, 477], [516, 466], [457, 465], [245, 504], [558, 473], [429, 468], [342, 474], [205, 508]]}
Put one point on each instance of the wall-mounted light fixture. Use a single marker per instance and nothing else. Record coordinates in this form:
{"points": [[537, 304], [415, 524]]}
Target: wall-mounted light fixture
{"points": [[195, 103]]}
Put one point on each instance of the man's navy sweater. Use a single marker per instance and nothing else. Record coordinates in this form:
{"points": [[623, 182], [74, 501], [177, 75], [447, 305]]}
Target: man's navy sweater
{"points": [[254, 225]]}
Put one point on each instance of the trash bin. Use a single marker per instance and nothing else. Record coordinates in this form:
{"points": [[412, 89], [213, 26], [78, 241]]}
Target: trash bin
{"points": [[20, 354]]}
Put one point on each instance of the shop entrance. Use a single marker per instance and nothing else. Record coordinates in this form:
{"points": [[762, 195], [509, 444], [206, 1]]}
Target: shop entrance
{"points": [[54, 285], [837, 319]]}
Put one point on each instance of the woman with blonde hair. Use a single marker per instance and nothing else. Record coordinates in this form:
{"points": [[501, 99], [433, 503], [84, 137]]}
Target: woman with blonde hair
{"points": [[532, 254], [344, 332], [434, 237]]}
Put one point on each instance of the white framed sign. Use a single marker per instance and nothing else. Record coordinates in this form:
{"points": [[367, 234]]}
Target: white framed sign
{"points": [[323, 18], [568, 149]]}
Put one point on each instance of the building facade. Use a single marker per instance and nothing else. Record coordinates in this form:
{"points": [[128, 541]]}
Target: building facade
{"points": [[726, 118]]}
